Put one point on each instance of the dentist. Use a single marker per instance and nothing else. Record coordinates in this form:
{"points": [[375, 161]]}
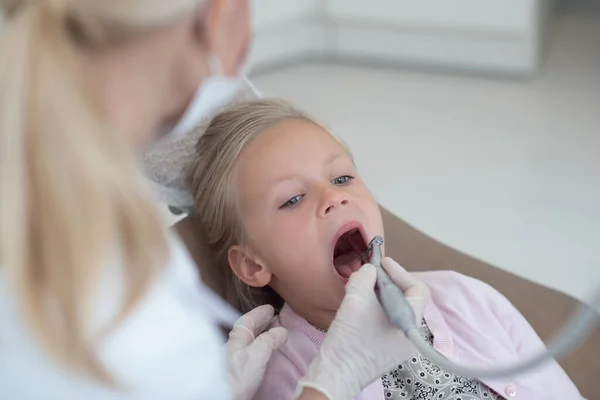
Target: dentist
{"points": [[97, 299]]}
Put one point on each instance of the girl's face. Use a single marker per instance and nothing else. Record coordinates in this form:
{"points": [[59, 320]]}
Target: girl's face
{"points": [[308, 216]]}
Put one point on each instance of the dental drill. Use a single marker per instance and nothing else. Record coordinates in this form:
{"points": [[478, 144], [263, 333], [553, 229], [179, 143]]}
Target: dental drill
{"points": [[402, 315], [391, 296]]}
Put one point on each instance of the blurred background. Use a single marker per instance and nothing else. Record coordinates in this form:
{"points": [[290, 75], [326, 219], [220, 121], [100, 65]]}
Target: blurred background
{"points": [[478, 122]]}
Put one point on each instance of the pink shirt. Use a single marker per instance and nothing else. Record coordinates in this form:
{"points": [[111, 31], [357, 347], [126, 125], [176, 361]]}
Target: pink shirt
{"points": [[472, 324]]}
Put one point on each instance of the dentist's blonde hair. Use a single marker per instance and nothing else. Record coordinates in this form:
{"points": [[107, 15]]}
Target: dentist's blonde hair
{"points": [[72, 200]]}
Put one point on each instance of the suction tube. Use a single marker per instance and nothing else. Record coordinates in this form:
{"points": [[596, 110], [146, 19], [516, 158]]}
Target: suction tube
{"points": [[402, 315]]}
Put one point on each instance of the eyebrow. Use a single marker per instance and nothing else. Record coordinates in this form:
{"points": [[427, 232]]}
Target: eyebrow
{"points": [[329, 160], [333, 157]]}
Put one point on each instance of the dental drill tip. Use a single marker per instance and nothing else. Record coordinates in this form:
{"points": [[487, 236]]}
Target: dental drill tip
{"points": [[377, 240], [375, 247]]}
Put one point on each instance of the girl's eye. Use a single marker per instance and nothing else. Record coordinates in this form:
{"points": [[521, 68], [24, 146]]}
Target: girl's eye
{"points": [[342, 180], [292, 202]]}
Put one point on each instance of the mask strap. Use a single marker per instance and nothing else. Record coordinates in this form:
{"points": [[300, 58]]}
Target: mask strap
{"points": [[251, 86]]}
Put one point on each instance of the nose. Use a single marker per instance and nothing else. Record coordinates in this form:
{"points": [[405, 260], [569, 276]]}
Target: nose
{"points": [[332, 199]]}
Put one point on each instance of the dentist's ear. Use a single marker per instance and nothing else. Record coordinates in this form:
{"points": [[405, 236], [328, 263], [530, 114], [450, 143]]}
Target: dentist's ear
{"points": [[246, 266], [225, 30]]}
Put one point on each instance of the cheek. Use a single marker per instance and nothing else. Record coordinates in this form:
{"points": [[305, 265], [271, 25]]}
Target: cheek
{"points": [[271, 238], [371, 208], [290, 239], [190, 66], [285, 244], [375, 218]]}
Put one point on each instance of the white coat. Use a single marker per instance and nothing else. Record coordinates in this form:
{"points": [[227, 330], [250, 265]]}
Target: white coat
{"points": [[169, 347]]}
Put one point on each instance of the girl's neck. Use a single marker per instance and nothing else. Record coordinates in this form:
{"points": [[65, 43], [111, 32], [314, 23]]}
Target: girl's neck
{"points": [[320, 319]]}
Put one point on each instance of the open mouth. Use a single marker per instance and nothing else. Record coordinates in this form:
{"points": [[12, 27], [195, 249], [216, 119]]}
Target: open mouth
{"points": [[349, 250]]}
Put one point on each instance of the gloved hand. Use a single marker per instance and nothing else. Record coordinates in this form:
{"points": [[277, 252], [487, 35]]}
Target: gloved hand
{"points": [[362, 344], [249, 349]]}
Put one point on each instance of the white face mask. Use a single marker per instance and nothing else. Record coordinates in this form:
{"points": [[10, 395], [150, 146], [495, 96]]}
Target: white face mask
{"points": [[214, 92]]}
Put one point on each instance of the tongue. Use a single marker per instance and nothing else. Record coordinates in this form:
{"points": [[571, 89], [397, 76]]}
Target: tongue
{"points": [[347, 263]]}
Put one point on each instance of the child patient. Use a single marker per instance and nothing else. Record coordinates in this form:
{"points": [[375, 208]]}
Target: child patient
{"points": [[287, 219]]}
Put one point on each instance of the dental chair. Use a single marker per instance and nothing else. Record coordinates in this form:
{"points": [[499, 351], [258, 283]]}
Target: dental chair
{"points": [[544, 308]]}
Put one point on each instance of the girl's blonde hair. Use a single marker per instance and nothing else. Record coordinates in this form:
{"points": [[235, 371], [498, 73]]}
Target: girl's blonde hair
{"points": [[71, 196], [217, 214]]}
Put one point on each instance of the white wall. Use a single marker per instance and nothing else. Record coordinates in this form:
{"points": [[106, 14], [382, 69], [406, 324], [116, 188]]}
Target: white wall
{"points": [[510, 16], [277, 12], [504, 36], [285, 30], [492, 36]]}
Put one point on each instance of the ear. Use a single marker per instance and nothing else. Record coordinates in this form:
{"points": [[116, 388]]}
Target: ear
{"points": [[225, 31], [209, 18], [246, 266]]}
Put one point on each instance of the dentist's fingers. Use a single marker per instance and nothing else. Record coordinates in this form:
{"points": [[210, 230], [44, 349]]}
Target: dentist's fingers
{"points": [[410, 285], [417, 294], [362, 281], [249, 326], [249, 350], [266, 343]]}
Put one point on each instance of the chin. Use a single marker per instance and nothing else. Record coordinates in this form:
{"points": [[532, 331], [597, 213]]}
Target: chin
{"points": [[338, 293]]}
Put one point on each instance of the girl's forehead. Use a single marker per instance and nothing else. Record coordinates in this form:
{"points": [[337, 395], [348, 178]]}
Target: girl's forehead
{"points": [[289, 150], [294, 137]]}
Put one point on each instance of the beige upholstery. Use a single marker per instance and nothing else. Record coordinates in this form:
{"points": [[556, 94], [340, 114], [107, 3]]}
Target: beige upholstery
{"points": [[545, 309]]}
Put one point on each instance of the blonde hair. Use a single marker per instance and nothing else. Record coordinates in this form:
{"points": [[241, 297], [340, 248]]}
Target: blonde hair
{"points": [[71, 196], [217, 214]]}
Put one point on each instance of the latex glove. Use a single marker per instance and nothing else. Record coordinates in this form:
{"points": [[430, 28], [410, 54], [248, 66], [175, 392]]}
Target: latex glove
{"points": [[249, 349], [362, 344], [416, 292]]}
